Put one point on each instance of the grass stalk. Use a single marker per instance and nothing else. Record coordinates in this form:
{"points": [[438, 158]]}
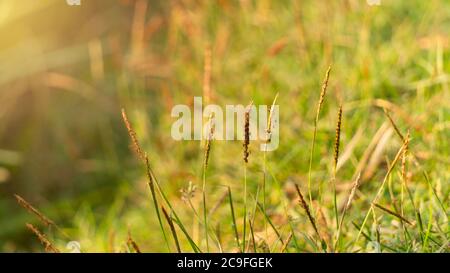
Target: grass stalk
{"points": [[152, 182], [271, 223], [42, 218], [316, 120], [246, 145], [393, 213], [172, 228], [346, 208], [269, 138], [307, 210], [335, 161], [233, 217], [133, 243], [49, 247], [205, 167], [380, 190], [252, 234]]}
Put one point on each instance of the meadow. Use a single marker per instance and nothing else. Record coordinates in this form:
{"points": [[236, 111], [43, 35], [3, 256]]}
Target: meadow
{"points": [[88, 162]]}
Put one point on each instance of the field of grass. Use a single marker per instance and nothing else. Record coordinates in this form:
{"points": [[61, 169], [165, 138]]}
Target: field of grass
{"points": [[372, 176]]}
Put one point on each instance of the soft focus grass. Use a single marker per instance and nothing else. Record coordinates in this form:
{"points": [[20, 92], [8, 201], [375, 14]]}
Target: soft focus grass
{"points": [[65, 72]]}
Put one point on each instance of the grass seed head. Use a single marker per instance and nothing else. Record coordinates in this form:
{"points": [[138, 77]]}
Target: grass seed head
{"points": [[270, 121], [352, 192], [209, 141], [323, 92], [43, 239], [46, 221], [133, 136], [305, 206], [337, 137], [247, 132], [133, 243]]}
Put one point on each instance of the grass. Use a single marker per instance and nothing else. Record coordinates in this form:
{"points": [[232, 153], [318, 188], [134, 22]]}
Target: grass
{"points": [[379, 184], [316, 120]]}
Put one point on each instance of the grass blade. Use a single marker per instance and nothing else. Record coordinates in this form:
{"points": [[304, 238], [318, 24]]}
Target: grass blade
{"points": [[236, 234], [172, 228]]}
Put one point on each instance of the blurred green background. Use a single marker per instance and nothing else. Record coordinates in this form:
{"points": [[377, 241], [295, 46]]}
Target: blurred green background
{"points": [[66, 71]]}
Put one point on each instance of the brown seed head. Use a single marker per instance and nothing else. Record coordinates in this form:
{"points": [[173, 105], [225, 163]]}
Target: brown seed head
{"points": [[247, 132], [34, 211], [305, 206], [43, 239], [209, 141], [133, 136], [133, 243]]}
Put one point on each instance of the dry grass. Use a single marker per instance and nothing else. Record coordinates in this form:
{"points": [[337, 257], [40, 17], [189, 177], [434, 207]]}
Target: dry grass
{"points": [[323, 93], [27, 206], [49, 247], [307, 210], [131, 242], [393, 213]]}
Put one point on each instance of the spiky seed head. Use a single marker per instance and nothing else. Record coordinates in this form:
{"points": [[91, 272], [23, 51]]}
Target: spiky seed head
{"points": [[323, 92], [247, 132], [337, 137]]}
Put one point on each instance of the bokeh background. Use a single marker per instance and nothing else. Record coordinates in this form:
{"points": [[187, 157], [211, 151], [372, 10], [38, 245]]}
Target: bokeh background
{"points": [[66, 71]]}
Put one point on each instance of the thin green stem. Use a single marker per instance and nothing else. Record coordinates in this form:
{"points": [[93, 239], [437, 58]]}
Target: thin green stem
{"points": [[155, 200], [233, 217], [245, 209], [336, 213], [380, 191], [264, 187], [280, 191], [205, 218], [313, 145], [175, 216]]}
